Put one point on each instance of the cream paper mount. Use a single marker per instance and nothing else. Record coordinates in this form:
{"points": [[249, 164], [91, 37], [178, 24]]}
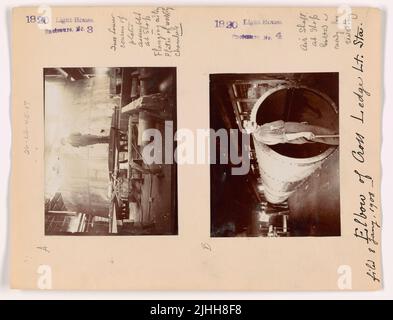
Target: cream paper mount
{"points": [[196, 148]]}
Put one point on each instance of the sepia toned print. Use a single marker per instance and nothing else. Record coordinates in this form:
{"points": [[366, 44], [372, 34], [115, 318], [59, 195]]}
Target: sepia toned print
{"points": [[290, 170], [96, 180], [292, 187]]}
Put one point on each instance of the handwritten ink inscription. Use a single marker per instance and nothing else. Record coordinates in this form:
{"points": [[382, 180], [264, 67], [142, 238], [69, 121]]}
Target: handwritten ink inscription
{"points": [[366, 226], [321, 30], [154, 30]]}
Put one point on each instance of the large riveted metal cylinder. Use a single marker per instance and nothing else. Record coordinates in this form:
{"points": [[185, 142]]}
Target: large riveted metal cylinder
{"points": [[284, 167]]}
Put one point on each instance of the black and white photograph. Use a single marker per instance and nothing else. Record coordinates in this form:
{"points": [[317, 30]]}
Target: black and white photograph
{"points": [[288, 129], [97, 181]]}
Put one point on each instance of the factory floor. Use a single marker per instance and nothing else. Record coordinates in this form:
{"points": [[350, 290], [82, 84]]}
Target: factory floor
{"points": [[156, 204], [157, 213]]}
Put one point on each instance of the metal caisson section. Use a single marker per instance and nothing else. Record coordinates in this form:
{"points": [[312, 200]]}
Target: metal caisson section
{"points": [[281, 175]]}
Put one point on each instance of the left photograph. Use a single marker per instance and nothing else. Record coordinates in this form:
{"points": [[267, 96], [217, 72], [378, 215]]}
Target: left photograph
{"points": [[99, 122]]}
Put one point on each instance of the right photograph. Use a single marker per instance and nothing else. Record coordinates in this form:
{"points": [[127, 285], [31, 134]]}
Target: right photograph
{"points": [[284, 129]]}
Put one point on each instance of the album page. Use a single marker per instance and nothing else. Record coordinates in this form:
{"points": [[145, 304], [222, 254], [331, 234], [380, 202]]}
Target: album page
{"points": [[196, 148]]}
